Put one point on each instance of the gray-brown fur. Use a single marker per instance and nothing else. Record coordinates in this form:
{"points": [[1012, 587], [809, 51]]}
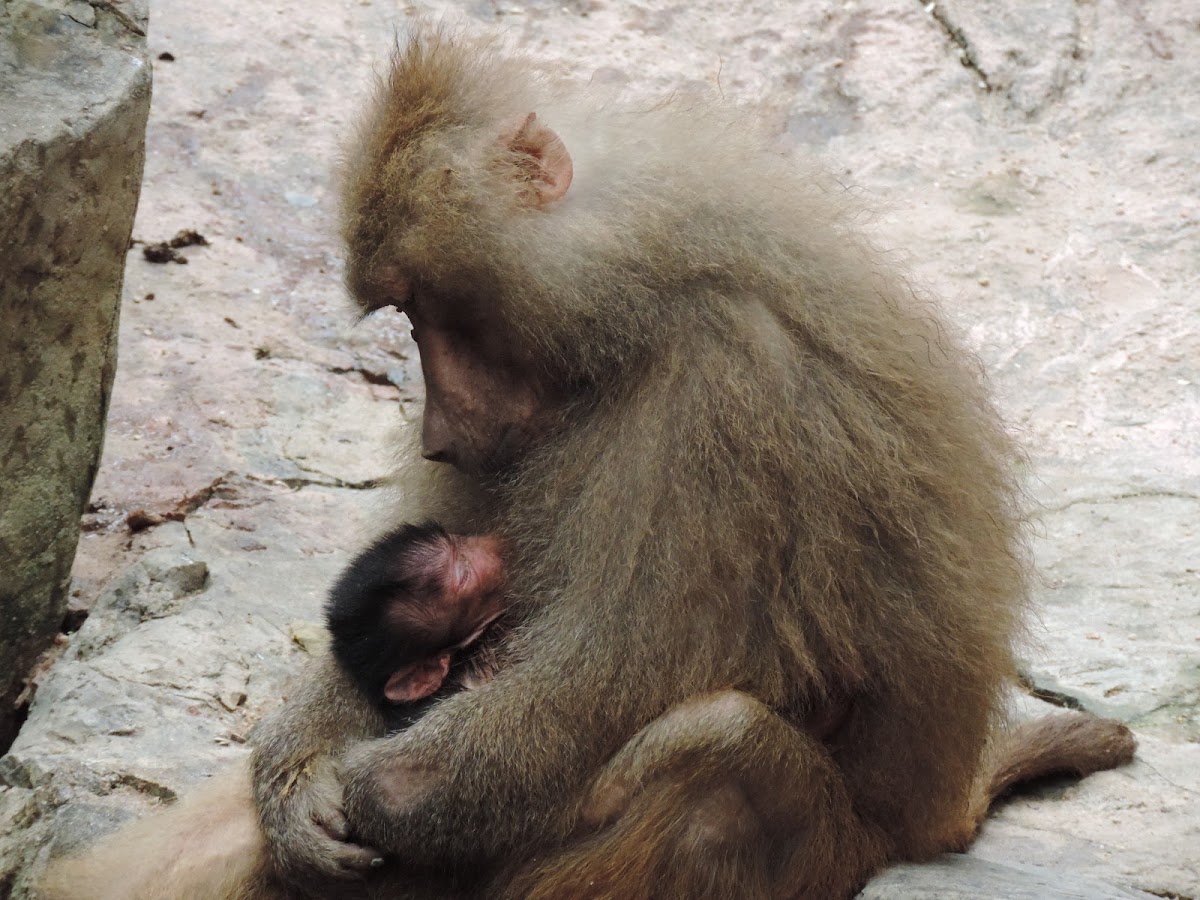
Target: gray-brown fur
{"points": [[803, 462], [765, 540]]}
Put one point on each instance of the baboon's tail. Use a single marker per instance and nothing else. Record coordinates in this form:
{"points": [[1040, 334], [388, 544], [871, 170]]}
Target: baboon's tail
{"points": [[1063, 744], [1072, 743]]}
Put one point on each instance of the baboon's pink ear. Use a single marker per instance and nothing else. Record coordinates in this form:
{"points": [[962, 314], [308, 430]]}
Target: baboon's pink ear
{"points": [[418, 680], [542, 160]]}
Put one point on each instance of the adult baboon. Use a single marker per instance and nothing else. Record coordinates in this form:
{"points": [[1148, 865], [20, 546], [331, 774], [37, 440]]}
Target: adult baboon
{"points": [[762, 520]]}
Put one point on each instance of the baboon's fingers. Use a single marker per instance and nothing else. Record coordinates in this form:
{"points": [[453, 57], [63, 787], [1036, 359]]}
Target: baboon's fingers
{"points": [[355, 859], [334, 824], [351, 856]]}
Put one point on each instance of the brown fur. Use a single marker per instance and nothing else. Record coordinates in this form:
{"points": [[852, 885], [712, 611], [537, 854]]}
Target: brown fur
{"points": [[768, 558], [772, 441]]}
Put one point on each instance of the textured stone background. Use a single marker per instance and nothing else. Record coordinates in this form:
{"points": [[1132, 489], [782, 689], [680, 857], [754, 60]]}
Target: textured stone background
{"points": [[1047, 189]]}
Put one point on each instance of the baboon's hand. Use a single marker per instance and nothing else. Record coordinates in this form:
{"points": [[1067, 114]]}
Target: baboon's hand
{"points": [[305, 826]]}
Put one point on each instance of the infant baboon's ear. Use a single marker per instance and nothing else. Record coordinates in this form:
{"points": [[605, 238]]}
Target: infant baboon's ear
{"points": [[418, 680], [541, 159]]}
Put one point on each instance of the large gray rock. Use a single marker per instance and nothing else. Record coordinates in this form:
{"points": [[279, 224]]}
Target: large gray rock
{"points": [[74, 96]]}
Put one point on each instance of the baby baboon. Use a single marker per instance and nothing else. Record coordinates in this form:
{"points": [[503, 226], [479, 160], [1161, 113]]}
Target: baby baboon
{"points": [[408, 615]]}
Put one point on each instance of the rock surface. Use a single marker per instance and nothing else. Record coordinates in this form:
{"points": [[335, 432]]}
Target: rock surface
{"points": [[74, 96], [967, 878], [1048, 190]]}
